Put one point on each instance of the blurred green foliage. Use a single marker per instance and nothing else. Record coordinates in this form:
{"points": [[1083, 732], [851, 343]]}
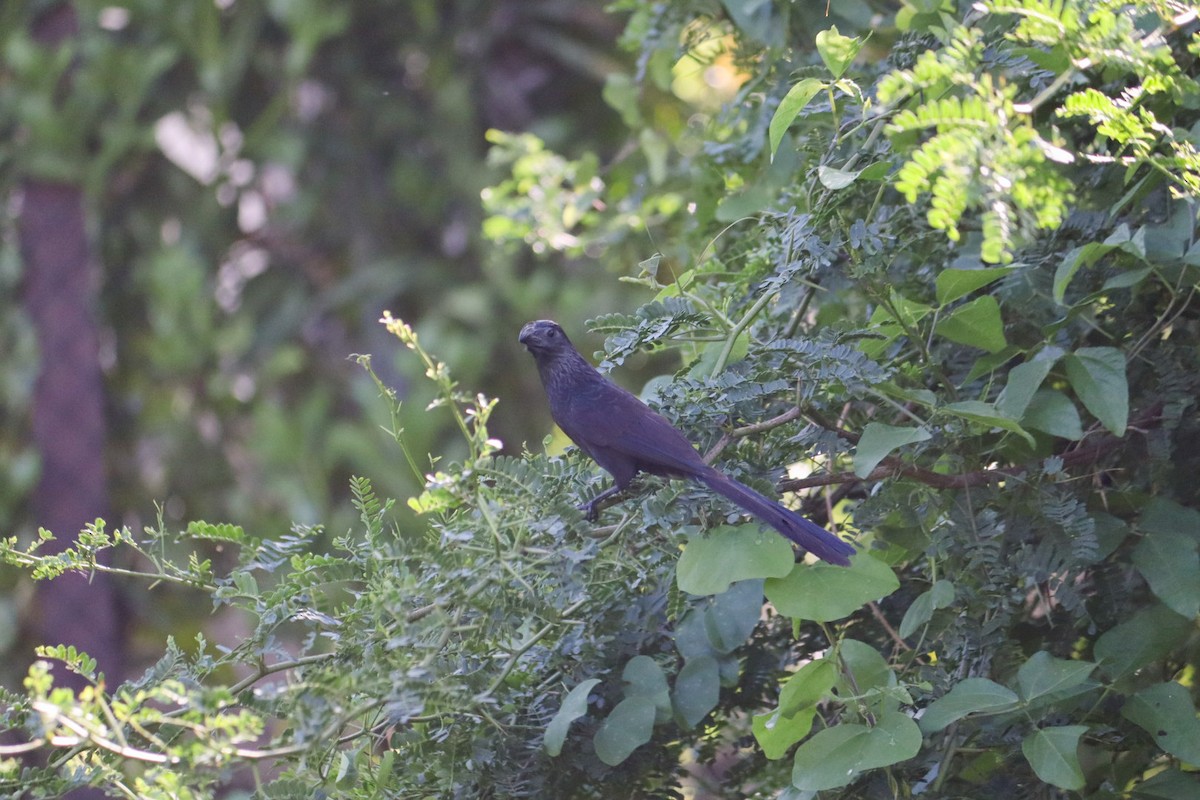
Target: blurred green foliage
{"points": [[264, 179], [945, 276]]}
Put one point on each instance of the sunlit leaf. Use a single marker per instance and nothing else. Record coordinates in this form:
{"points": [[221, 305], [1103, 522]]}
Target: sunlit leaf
{"points": [[729, 553], [836, 50], [824, 592], [978, 324], [789, 108]]}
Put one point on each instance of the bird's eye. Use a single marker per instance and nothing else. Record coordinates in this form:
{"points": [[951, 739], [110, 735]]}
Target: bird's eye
{"points": [[552, 333]]}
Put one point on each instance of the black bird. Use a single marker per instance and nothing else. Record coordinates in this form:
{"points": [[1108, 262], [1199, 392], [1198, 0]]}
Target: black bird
{"points": [[624, 436]]}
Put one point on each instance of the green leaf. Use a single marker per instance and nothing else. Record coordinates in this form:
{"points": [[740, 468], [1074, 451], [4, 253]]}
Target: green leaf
{"points": [[1166, 516], [75, 660], [760, 19], [574, 706], [1098, 376], [1111, 532], [777, 733], [730, 553], [1165, 711], [919, 612], [823, 592], [890, 320], [876, 172], [977, 324], [1054, 755], [657, 150], [940, 595], [763, 191], [1089, 254], [1071, 264], [1170, 784], [835, 179], [808, 686], [789, 108], [836, 756], [628, 727], [990, 362], [902, 310], [1169, 563], [644, 678], [223, 531], [943, 594], [697, 689], [968, 696], [955, 283], [1129, 278], [873, 679], [879, 439], [986, 414], [1147, 636], [1023, 382], [245, 583], [777, 730], [621, 94], [1043, 674], [1052, 412], [732, 616], [837, 51], [691, 635]]}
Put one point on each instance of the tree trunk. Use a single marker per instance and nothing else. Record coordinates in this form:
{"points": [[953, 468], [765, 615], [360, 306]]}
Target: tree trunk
{"points": [[60, 295]]}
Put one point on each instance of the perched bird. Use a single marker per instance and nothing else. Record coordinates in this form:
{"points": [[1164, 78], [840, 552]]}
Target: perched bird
{"points": [[624, 436]]}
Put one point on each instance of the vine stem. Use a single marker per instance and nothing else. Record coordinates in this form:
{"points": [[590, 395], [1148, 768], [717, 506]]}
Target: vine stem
{"points": [[737, 329]]}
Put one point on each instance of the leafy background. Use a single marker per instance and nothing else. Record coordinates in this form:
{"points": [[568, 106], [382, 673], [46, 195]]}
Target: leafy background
{"points": [[936, 282]]}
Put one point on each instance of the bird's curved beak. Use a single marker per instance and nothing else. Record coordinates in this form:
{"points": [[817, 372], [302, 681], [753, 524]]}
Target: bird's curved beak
{"points": [[527, 333]]}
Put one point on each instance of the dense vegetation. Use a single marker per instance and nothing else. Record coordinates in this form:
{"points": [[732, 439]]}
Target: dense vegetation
{"points": [[937, 285]]}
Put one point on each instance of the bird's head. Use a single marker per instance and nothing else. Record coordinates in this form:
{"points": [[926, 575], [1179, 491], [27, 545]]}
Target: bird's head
{"points": [[544, 336]]}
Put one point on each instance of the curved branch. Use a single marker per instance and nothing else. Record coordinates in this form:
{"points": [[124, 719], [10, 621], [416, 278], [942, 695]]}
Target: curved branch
{"points": [[892, 466]]}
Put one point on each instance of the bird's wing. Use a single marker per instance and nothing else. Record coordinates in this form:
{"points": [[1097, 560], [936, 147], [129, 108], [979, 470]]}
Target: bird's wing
{"points": [[606, 419]]}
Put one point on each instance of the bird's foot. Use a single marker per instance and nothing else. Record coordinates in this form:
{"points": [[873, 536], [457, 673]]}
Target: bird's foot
{"points": [[590, 512]]}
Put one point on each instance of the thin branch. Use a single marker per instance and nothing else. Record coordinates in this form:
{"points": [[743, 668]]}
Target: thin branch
{"points": [[426, 610], [525, 647], [21, 559], [877, 612], [740, 326], [83, 733], [18, 749], [279, 666], [892, 466], [749, 430]]}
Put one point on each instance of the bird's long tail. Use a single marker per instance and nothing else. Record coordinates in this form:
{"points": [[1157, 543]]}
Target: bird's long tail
{"points": [[809, 535]]}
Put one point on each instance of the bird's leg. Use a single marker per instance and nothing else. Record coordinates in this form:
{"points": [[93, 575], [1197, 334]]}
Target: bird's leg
{"points": [[589, 508]]}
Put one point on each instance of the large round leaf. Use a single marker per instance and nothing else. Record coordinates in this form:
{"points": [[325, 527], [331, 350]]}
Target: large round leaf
{"points": [[823, 592]]}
